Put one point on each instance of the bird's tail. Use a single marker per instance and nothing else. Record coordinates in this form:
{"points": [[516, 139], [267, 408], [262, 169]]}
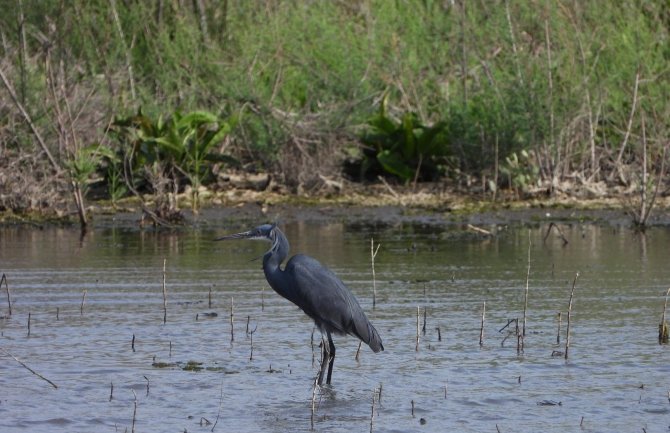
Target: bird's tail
{"points": [[369, 335]]}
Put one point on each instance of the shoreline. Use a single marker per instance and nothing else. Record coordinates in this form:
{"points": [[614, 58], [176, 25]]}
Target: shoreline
{"points": [[379, 205]]}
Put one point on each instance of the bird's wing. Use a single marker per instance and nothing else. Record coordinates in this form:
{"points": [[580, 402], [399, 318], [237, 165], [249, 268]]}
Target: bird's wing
{"points": [[326, 299]]}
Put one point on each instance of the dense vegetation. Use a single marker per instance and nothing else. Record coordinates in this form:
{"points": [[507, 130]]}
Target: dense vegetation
{"points": [[505, 94]]}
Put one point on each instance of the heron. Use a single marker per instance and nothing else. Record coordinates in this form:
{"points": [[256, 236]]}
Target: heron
{"points": [[317, 291]]}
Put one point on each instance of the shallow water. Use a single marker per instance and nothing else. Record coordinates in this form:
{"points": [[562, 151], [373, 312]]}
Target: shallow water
{"points": [[616, 377]]}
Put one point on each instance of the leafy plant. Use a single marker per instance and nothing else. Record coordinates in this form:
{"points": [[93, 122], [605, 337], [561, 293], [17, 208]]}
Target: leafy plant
{"points": [[183, 144], [521, 171], [406, 148]]}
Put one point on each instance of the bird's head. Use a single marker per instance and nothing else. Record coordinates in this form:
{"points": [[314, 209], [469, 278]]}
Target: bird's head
{"points": [[265, 232]]}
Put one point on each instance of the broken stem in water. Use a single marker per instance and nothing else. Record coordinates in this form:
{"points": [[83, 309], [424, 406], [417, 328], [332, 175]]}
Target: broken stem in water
{"points": [[373, 254], [567, 332], [28, 368], [164, 294], [663, 326], [481, 329], [525, 299], [9, 299]]}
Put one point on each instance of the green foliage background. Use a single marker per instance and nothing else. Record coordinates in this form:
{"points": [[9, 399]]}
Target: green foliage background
{"points": [[303, 79]]}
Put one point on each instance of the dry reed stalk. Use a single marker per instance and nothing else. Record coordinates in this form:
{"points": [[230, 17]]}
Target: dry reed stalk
{"points": [[525, 299], [372, 411], [558, 331], [29, 324], [83, 301], [111, 391], [147, 379], [164, 294], [373, 254], [134, 411], [418, 313], [663, 326], [218, 414], [28, 368], [251, 336], [553, 225], [132, 343], [314, 387], [481, 328], [423, 328], [232, 314], [439, 333], [9, 299], [567, 332], [412, 408]]}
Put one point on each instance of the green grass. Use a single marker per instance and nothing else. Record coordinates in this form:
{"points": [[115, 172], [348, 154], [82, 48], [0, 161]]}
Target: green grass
{"points": [[552, 78]]}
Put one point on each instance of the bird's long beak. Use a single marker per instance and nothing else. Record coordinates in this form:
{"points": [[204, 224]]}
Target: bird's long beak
{"points": [[243, 235]]}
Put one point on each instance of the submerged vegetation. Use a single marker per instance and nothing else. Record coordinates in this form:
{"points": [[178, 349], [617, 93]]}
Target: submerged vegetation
{"points": [[521, 96]]}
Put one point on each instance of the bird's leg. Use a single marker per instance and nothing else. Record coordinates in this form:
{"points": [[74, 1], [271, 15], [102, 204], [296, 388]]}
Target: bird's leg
{"points": [[331, 358], [325, 359]]}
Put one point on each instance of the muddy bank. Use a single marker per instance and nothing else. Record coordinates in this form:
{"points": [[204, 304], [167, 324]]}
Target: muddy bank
{"points": [[243, 208], [372, 205]]}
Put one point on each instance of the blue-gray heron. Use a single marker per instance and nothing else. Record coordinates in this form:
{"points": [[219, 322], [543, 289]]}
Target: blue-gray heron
{"points": [[317, 291]]}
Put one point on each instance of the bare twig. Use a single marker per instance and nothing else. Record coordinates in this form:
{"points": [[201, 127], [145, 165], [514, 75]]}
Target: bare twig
{"points": [[232, 326], [9, 298], [29, 121], [663, 326], [629, 126], [373, 254], [481, 328], [28, 368], [525, 299], [132, 429], [553, 225], [567, 332], [83, 301], [418, 314], [164, 294]]}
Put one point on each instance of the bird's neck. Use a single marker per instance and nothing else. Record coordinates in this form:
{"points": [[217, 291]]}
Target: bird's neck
{"points": [[272, 261]]}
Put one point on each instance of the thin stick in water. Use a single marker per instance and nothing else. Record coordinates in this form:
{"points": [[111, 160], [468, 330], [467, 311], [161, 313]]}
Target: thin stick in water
{"points": [[525, 299], [83, 301], [132, 343], [481, 329], [663, 326], [28, 368], [373, 254], [232, 326], [134, 411], [164, 294], [372, 411], [147, 379], [209, 298], [567, 332], [218, 414], [358, 351], [558, 331], [423, 328], [418, 314], [111, 391], [9, 298], [29, 324]]}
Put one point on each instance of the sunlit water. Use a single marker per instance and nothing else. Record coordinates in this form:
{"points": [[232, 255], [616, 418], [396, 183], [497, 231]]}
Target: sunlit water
{"points": [[617, 376]]}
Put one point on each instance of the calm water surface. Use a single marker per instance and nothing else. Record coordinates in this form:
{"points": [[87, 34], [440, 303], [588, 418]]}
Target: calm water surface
{"points": [[617, 377]]}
